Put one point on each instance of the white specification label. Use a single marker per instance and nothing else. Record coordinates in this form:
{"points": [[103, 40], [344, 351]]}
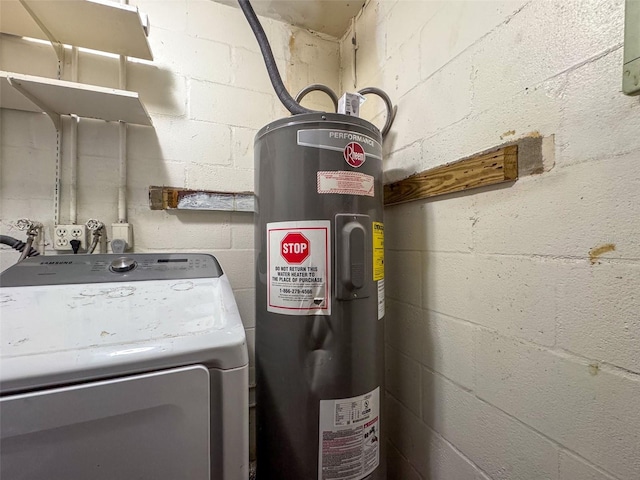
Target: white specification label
{"points": [[380, 299], [346, 183], [349, 437], [299, 267]]}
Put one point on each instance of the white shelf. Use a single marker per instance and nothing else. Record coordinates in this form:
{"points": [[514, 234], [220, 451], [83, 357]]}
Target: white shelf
{"points": [[95, 24], [39, 94]]}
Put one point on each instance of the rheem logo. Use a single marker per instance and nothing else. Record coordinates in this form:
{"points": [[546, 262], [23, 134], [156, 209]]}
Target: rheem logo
{"points": [[354, 154], [294, 248]]}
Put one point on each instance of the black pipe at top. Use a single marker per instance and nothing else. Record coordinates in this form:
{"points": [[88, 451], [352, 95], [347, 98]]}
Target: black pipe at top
{"points": [[272, 68]]}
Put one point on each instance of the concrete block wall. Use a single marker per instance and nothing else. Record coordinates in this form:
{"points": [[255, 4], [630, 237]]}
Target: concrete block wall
{"points": [[511, 353], [207, 92]]}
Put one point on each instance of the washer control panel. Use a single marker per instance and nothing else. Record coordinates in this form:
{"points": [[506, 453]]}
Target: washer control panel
{"points": [[74, 269]]}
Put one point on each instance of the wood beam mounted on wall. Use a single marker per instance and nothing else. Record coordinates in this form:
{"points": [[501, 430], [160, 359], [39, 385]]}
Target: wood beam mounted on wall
{"points": [[481, 170], [171, 198]]}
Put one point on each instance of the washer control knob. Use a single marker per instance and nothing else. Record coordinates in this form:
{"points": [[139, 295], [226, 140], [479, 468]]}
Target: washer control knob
{"points": [[123, 264]]}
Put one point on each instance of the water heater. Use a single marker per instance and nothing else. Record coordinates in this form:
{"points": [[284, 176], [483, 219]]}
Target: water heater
{"points": [[319, 288], [319, 299]]}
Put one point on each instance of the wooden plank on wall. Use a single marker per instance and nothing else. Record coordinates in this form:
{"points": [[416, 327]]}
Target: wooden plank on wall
{"points": [[170, 198], [478, 171]]}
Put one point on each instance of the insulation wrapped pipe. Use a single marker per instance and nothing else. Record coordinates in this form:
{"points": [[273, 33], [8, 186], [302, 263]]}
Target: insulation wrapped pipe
{"points": [[18, 245], [272, 69], [391, 110], [321, 88]]}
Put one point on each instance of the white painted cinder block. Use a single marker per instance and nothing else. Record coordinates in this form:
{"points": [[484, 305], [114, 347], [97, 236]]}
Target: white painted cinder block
{"points": [[401, 70], [95, 137], [545, 39], [398, 234], [223, 179], [598, 315], [404, 20], [27, 172], [419, 120], [451, 30], [405, 328], [399, 467], [167, 14], [179, 139], [402, 379], [229, 105], [226, 24], [95, 69], [218, 22], [242, 147], [449, 348], [161, 91], [403, 280], [588, 408], [246, 300], [573, 467], [565, 212], [538, 112], [279, 35], [300, 40], [251, 346], [97, 188], [249, 71], [457, 215], [371, 46], [401, 163], [441, 343], [347, 59], [192, 57], [19, 55], [596, 88], [501, 446], [514, 295], [27, 130], [242, 231], [431, 454], [196, 230], [239, 266]]}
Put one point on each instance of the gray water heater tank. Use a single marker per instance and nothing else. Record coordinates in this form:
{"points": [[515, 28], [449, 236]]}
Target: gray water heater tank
{"points": [[319, 299]]}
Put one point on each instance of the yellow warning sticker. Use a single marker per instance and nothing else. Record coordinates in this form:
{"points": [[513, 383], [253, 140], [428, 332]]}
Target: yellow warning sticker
{"points": [[378, 251]]}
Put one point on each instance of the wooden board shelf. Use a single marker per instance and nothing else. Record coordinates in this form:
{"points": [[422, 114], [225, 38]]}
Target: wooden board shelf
{"points": [[478, 171], [39, 94], [96, 24]]}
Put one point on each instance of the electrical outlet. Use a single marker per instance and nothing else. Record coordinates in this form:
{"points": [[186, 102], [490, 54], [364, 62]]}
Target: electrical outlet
{"points": [[122, 231], [63, 234]]}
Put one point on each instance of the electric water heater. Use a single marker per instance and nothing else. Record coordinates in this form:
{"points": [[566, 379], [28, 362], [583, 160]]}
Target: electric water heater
{"points": [[319, 299]]}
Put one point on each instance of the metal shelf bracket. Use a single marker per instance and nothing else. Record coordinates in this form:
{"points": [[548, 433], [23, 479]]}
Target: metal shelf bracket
{"points": [[54, 116], [57, 46]]}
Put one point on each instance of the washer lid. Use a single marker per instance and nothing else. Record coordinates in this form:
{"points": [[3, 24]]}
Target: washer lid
{"points": [[61, 334]]}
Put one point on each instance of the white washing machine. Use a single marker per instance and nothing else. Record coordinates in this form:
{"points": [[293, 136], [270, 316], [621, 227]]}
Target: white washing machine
{"points": [[115, 367]]}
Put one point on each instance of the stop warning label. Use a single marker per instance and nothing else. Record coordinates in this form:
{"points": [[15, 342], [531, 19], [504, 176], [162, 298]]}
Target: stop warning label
{"points": [[294, 248], [298, 265]]}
